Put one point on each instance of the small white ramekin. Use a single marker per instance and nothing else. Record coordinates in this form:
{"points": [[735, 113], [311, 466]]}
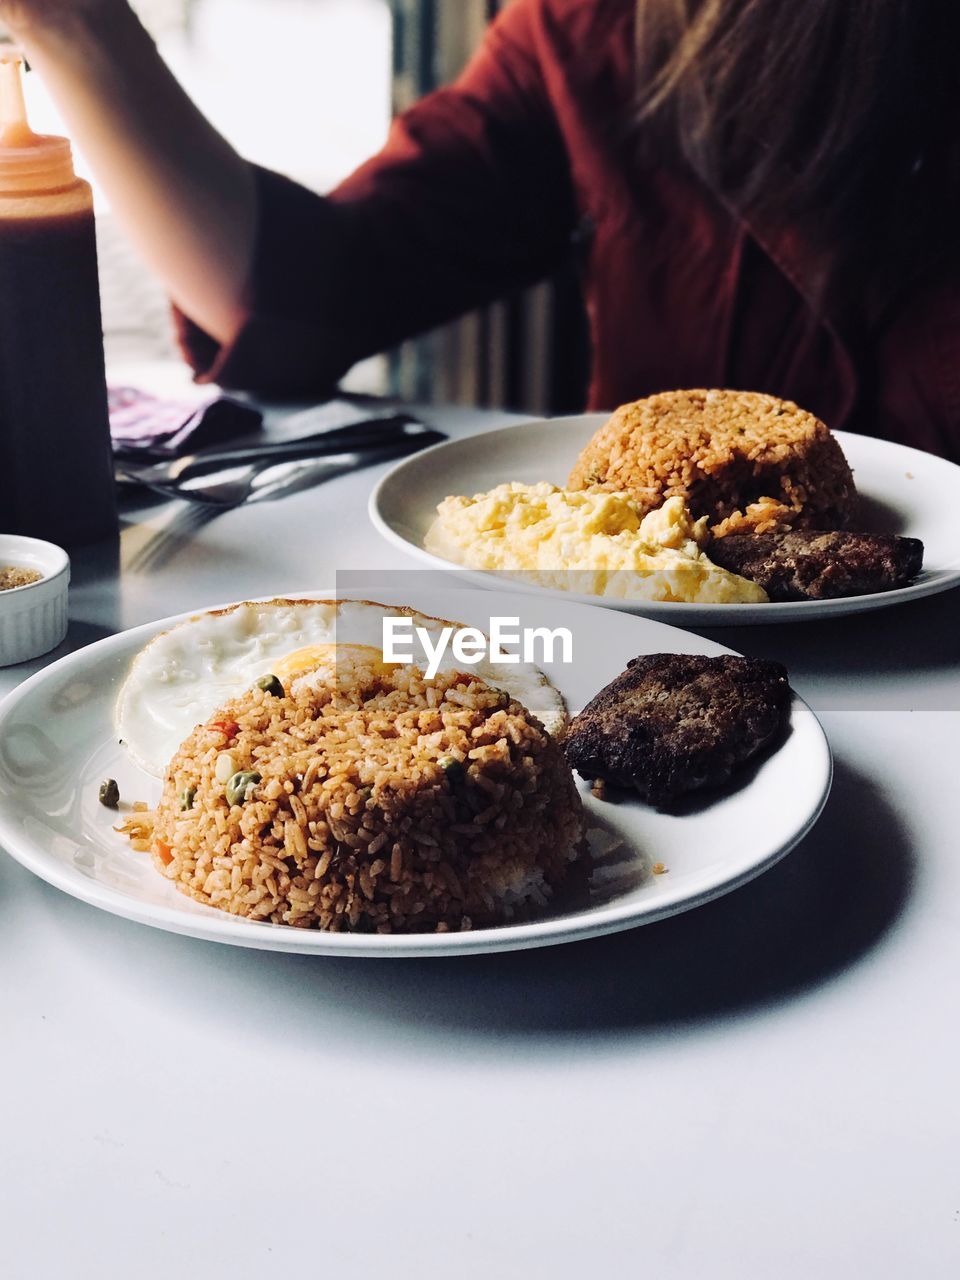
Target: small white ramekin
{"points": [[33, 619]]}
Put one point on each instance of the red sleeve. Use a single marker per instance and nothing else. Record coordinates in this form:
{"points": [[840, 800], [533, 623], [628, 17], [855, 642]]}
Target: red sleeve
{"points": [[469, 199]]}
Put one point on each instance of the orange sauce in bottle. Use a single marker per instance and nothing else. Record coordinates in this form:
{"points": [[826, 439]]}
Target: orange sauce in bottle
{"points": [[56, 468]]}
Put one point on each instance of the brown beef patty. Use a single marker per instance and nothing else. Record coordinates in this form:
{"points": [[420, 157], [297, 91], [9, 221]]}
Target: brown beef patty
{"points": [[673, 723], [820, 566]]}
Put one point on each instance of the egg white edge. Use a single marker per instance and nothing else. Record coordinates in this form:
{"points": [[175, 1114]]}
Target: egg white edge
{"points": [[562, 714]]}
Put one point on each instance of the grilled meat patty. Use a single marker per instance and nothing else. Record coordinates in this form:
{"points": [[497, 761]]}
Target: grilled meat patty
{"points": [[820, 566], [673, 723]]}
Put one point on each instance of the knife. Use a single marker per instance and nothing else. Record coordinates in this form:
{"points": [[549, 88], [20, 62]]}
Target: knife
{"points": [[358, 436]]}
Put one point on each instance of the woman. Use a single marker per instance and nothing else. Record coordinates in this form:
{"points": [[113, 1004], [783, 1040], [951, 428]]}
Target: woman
{"points": [[761, 194]]}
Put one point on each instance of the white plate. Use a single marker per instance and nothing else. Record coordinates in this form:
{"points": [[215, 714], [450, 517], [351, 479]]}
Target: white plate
{"points": [[904, 491], [57, 744]]}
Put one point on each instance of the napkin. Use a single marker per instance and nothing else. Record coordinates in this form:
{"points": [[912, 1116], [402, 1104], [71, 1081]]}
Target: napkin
{"points": [[142, 425], [146, 428]]}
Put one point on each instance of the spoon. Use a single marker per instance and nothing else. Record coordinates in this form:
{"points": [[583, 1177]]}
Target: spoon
{"points": [[240, 484]]}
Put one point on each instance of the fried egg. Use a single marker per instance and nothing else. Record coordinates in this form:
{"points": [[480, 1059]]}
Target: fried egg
{"points": [[186, 673]]}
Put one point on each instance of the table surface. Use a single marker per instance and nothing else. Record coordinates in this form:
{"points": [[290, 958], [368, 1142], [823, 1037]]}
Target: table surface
{"points": [[764, 1086]]}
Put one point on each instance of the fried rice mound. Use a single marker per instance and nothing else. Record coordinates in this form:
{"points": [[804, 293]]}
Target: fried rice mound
{"points": [[749, 462], [382, 803]]}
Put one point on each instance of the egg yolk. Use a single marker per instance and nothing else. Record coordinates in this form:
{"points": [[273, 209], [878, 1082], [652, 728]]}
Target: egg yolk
{"points": [[313, 656]]}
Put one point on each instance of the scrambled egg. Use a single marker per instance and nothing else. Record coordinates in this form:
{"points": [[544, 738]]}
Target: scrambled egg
{"points": [[594, 543]]}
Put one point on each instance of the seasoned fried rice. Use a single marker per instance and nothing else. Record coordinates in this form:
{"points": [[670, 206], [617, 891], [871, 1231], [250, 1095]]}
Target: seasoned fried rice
{"points": [[378, 801], [750, 462]]}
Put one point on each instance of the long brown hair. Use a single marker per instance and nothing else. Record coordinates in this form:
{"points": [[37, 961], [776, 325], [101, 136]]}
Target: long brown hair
{"points": [[838, 116]]}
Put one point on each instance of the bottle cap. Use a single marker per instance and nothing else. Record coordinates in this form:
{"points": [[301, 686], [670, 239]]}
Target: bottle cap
{"points": [[29, 162]]}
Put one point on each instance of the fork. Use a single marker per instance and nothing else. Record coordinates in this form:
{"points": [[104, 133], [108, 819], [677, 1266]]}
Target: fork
{"points": [[295, 474], [167, 472]]}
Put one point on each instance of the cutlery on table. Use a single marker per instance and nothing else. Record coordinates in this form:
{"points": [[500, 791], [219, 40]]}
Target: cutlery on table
{"points": [[345, 448], [290, 476]]}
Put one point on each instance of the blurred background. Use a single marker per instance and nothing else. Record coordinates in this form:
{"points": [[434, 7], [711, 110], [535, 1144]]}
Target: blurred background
{"points": [[332, 72]]}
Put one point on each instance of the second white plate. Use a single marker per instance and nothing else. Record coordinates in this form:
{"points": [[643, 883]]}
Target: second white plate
{"points": [[903, 490]]}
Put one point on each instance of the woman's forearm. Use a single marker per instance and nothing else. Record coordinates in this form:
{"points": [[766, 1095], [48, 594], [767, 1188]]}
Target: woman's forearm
{"points": [[182, 193]]}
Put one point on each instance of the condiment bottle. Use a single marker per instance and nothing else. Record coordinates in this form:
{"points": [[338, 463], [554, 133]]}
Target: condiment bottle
{"points": [[56, 469]]}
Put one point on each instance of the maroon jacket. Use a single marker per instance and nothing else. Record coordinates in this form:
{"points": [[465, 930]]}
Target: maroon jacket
{"points": [[489, 184]]}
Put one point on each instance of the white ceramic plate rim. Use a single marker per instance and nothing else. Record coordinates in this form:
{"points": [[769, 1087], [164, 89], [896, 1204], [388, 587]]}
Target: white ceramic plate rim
{"points": [[215, 926], [930, 583]]}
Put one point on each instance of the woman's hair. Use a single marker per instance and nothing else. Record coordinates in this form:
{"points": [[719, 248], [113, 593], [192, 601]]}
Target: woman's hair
{"points": [[838, 116]]}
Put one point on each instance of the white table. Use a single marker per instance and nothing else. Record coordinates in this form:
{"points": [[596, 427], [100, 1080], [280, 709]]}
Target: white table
{"points": [[765, 1087]]}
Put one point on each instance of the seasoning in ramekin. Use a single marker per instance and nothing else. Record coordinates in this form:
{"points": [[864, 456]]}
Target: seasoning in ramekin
{"points": [[12, 575]]}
